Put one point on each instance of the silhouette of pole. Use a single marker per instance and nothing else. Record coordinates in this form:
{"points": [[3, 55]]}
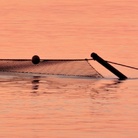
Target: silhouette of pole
{"points": [[108, 66]]}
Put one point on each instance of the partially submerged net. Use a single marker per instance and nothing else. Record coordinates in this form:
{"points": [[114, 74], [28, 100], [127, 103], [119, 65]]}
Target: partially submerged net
{"points": [[79, 67]]}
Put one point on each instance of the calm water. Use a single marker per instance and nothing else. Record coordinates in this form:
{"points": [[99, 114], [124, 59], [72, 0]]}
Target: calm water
{"points": [[38, 106], [63, 107]]}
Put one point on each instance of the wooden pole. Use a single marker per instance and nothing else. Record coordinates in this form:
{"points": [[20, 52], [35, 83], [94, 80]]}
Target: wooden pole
{"points": [[108, 66]]}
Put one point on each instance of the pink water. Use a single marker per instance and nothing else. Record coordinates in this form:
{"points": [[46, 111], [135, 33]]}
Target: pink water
{"points": [[65, 107]]}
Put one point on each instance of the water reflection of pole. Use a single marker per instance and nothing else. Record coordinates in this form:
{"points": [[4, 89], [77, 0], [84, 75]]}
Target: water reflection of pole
{"points": [[105, 90], [35, 83], [105, 97]]}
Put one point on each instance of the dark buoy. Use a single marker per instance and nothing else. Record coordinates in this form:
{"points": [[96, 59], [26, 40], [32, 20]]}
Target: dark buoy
{"points": [[35, 59]]}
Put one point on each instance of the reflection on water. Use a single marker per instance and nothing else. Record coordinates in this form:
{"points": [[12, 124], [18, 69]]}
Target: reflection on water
{"points": [[35, 83], [67, 107], [106, 88]]}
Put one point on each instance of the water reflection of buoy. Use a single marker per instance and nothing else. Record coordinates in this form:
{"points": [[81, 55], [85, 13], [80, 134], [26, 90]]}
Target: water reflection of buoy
{"points": [[35, 83]]}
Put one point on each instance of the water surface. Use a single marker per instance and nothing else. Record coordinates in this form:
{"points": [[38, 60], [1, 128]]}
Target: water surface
{"points": [[55, 107], [65, 107]]}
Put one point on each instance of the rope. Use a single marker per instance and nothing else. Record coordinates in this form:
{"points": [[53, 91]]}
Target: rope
{"points": [[46, 59], [123, 65], [69, 60]]}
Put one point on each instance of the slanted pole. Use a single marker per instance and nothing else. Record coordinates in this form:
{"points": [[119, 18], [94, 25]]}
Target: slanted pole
{"points": [[108, 66]]}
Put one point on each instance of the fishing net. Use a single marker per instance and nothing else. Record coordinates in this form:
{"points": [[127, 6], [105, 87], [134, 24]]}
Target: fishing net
{"points": [[80, 67]]}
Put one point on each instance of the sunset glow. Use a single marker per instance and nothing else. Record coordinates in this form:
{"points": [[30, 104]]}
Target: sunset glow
{"points": [[37, 106]]}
